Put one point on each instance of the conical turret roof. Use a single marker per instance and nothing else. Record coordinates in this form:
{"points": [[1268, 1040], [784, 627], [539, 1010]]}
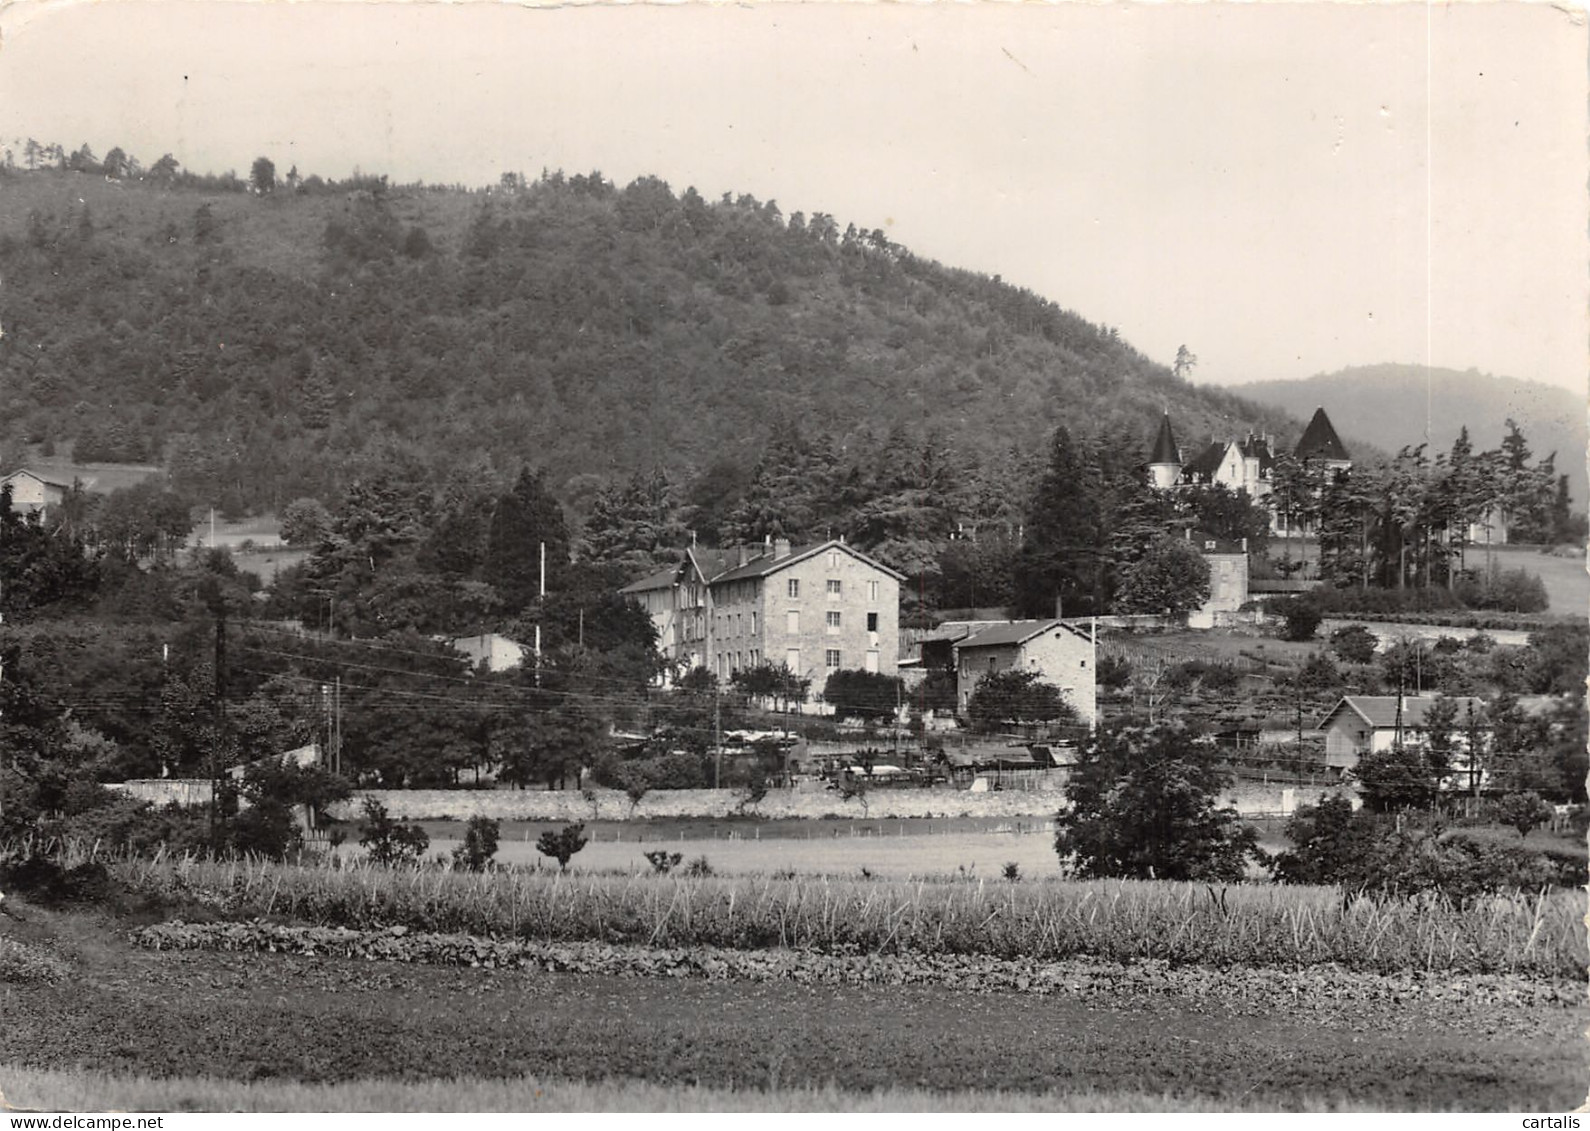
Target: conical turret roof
{"points": [[1320, 440], [1165, 450]]}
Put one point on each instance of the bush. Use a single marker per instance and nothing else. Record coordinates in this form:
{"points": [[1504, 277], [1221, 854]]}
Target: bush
{"points": [[480, 844], [1513, 591], [1301, 616], [662, 862], [563, 844], [387, 840], [1354, 644], [1114, 672], [699, 867]]}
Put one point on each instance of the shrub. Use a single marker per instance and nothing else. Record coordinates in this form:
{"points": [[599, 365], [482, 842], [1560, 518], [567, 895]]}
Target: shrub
{"points": [[662, 861], [1012, 871], [389, 841], [1301, 616], [1513, 591], [699, 867], [480, 844], [1354, 644], [563, 844], [1114, 672]]}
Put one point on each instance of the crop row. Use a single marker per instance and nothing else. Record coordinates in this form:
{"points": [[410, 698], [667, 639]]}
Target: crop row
{"points": [[1266, 925]]}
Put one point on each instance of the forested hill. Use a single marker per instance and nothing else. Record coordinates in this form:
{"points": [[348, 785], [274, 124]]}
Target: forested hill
{"points": [[264, 346], [1385, 406]]}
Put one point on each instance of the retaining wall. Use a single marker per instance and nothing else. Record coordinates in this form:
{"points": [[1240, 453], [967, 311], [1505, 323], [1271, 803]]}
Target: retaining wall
{"points": [[1251, 799]]}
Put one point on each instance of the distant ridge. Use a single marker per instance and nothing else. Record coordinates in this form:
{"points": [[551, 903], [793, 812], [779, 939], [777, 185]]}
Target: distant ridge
{"points": [[1385, 405]]}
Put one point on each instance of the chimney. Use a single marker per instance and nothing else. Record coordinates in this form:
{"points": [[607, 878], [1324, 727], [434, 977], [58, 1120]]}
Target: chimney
{"points": [[1058, 611], [780, 548], [1244, 545]]}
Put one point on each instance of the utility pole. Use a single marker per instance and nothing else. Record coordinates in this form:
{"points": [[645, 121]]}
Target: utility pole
{"points": [[717, 735], [218, 712], [541, 610]]}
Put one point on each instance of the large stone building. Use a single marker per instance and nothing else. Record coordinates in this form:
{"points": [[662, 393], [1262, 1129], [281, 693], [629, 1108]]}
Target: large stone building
{"points": [[816, 609]]}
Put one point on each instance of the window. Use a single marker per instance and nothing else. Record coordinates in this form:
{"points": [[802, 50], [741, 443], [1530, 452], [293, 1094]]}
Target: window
{"points": [[872, 590], [872, 660], [792, 660], [872, 620], [753, 623], [835, 587], [792, 622], [833, 622], [831, 659], [833, 559], [794, 588]]}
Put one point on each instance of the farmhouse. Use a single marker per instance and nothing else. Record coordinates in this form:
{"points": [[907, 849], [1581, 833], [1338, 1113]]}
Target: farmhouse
{"points": [[32, 492], [1062, 654], [817, 609], [1371, 724]]}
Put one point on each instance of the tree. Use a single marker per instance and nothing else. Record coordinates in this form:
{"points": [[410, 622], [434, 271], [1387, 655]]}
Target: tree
{"points": [[1354, 644], [1171, 577], [1523, 811], [262, 175], [769, 681], [1143, 806], [865, 696], [305, 522], [116, 163], [525, 519], [1062, 559], [389, 841], [1186, 362], [1016, 698], [563, 844], [1402, 777], [480, 844], [1329, 843]]}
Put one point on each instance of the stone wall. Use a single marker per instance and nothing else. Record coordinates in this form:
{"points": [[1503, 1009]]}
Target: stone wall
{"points": [[165, 791], [1251, 799]]}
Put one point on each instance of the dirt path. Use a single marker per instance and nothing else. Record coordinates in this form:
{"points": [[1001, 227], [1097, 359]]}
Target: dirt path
{"points": [[317, 1019]]}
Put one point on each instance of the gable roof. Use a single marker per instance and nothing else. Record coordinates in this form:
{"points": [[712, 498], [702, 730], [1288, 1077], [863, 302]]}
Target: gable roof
{"points": [[1165, 450], [768, 564], [1208, 461], [1016, 632], [1258, 447], [31, 474], [1380, 711], [662, 579], [1320, 440]]}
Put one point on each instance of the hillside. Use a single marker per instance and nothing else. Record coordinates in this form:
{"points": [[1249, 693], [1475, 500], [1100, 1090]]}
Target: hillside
{"points": [[1384, 405], [265, 346]]}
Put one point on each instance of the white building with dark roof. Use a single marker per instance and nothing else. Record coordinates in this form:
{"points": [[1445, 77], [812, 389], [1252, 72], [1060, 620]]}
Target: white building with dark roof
{"points": [[1063, 654]]}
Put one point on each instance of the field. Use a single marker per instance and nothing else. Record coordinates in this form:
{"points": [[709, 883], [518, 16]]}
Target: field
{"points": [[206, 1029], [192, 985], [891, 849]]}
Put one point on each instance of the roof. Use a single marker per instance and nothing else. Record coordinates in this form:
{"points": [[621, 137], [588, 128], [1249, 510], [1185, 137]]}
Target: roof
{"points": [[31, 474], [1015, 632], [662, 579], [1258, 447], [1165, 450], [1320, 440], [1380, 711], [1208, 461], [766, 563]]}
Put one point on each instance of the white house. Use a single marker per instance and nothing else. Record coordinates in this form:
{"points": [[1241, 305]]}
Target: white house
{"points": [[498, 653]]}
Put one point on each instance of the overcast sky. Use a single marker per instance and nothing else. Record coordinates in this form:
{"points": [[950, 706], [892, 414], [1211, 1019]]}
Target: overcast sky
{"points": [[1286, 188]]}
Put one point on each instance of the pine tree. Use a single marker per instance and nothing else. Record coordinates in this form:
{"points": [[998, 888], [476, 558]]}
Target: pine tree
{"points": [[1062, 559], [526, 518]]}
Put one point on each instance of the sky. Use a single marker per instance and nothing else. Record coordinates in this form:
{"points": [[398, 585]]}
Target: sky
{"points": [[1285, 188]]}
